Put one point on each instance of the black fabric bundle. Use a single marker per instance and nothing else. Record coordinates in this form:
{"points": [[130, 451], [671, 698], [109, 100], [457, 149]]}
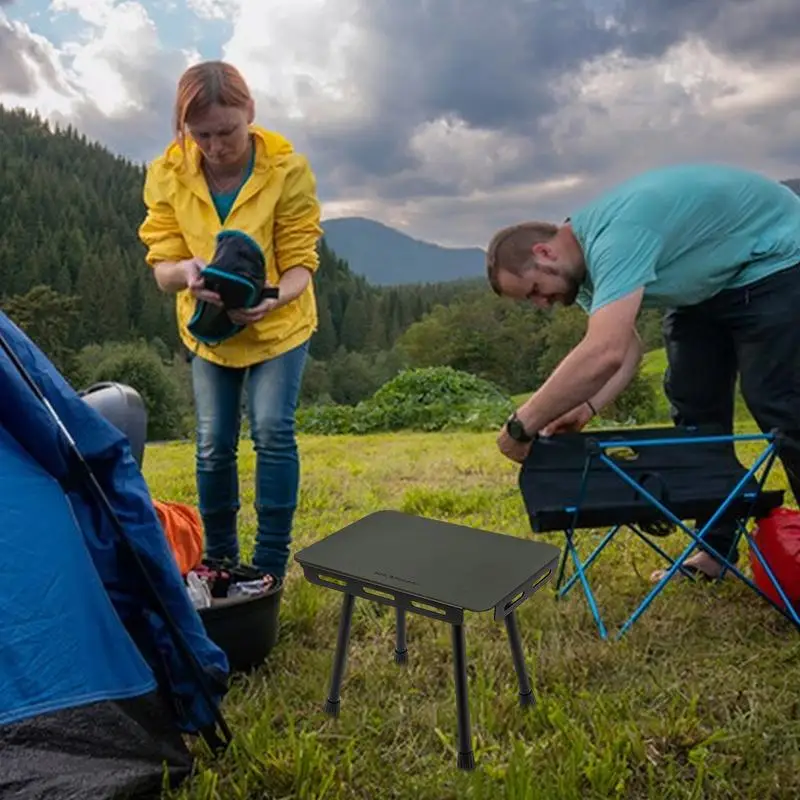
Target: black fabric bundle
{"points": [[238, 274]]}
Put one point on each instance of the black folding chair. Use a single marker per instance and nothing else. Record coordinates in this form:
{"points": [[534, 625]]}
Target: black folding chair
{"points": [[649, 481]]}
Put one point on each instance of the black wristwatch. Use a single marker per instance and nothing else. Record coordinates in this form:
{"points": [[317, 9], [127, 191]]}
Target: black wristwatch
{"points": [[516, 430]]}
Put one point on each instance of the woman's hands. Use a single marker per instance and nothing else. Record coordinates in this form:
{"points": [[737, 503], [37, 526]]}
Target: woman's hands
{"points": [[247, 316], [194, 281], [293, 283]]}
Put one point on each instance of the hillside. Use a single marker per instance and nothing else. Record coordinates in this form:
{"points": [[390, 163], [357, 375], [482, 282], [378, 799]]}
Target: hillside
{"points": [[385, 256]]}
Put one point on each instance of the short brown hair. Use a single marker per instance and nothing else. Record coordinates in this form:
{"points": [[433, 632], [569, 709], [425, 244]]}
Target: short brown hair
{"points": [[510, 248], [206, 84]]}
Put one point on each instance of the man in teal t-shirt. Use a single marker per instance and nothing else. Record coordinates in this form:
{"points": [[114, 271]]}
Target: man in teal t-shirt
{"points": [[716, 247]]}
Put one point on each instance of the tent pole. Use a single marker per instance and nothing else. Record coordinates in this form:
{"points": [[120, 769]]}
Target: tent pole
{"points": [[100, 495]]}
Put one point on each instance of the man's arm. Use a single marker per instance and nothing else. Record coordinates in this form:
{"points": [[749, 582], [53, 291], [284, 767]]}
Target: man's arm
{"points": [[593, 369], [622, 377]]}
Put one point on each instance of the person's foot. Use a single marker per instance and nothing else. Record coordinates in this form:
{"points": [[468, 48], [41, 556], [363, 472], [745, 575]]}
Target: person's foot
{"points": [[701, 565]]}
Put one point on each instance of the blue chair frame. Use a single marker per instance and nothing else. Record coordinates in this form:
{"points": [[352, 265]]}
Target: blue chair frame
{"points": [[545, 464]]}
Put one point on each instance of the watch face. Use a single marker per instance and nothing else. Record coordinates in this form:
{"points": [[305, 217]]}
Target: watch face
{"points": [[515, 429]]}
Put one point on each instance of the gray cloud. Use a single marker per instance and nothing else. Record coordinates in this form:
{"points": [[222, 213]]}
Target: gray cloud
{"points": [[489, 63], [22, 60], [492, 65], [151, 86], [511, 71], [760, 30], [504, 69]]}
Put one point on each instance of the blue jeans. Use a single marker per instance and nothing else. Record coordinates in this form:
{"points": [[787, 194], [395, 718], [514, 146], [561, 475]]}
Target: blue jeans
{"points": [[272, 389]]}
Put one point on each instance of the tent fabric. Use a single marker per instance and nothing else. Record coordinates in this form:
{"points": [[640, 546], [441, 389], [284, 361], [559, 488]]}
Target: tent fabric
{"points": [[108, 453], [114, 749], [77, 625], [62, 641]]}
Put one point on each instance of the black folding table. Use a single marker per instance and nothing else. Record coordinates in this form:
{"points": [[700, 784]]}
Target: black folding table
{"points": [[436, 569], [650, 480]]}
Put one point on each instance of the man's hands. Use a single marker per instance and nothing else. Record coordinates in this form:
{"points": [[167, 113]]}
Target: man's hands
{"points": [[511, 448], [574, 420], [599, 367], [570, 422]]}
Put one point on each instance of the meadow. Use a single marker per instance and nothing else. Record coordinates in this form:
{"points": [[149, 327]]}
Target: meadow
{"points": [[698, 700]]}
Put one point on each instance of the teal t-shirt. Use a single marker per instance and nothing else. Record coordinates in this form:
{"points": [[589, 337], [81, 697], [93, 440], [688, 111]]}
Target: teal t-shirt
{"points": [[223, 201], [685, 233]]}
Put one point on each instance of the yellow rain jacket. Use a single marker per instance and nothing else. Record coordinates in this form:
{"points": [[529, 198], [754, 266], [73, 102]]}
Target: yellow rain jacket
{"points": [[277, 207]]}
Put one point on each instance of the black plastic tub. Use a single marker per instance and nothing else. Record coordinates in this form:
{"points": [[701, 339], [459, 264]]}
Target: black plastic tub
{"points": [[245, 628]]}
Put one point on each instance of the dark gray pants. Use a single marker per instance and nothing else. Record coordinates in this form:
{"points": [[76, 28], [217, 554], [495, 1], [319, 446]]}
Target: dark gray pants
{"points": [[753, 332]]}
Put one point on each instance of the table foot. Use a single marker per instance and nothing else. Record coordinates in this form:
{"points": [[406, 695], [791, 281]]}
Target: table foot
{"points": [[526, 697], [466, 761], [400, 649], [332, 707], [466, 758], [340, 657]]}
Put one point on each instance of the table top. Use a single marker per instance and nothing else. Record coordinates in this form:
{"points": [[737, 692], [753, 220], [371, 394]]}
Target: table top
{"points": [[453, 564]]}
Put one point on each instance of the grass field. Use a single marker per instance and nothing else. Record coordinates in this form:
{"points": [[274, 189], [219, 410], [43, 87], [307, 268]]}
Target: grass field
{"points": [[699, 700]]}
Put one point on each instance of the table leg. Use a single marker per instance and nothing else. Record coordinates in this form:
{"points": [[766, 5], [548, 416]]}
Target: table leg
{"points": [[340, 657], [466, 758], [400, 649], [526, 697]]}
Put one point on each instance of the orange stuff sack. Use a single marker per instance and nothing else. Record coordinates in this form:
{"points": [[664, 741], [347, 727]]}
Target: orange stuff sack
{"points": [[184, 532]]}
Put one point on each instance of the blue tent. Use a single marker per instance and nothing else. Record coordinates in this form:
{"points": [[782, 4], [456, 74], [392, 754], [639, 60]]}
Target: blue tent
{"points": [[96, 694]]}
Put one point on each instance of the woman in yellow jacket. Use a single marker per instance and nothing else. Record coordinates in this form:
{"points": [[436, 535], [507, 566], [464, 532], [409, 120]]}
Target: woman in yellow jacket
{"points": [[223, 172]]}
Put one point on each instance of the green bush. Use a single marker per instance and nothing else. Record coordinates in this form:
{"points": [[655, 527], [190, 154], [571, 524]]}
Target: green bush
{"points": [[141, 367], [636, 405], [427, 399]]}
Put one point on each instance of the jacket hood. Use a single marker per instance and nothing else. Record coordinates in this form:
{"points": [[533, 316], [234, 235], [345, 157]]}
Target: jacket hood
{"points": [[270, 147]]}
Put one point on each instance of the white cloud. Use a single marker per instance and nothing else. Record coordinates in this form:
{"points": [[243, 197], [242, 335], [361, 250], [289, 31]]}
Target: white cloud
{"points": [[40, 60], [102, 67], [213, 9], [465, 157], [95, 12], [305, 56]]}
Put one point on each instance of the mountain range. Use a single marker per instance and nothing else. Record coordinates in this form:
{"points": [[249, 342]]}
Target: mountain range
{"points": [[387, 257]]}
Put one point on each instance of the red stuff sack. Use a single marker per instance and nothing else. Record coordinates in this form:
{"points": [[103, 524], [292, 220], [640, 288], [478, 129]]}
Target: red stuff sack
{"points": [[777, 538]]}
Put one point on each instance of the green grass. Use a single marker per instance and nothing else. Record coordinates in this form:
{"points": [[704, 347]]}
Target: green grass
{"points": [[699, 700]]}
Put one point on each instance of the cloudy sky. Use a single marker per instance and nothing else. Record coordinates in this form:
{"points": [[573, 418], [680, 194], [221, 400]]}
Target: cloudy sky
{"points": [[443, 118]]}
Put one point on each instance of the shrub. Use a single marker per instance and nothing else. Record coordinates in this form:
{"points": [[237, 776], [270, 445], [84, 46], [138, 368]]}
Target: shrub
{"points": [[636, 405], [141, 367], [427, 399]]}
